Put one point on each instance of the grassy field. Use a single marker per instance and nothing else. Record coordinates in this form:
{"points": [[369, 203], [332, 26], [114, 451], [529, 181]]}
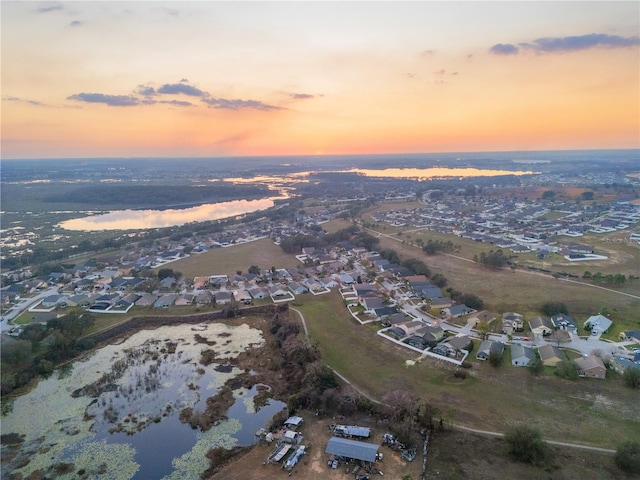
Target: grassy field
{"points": [[226, 261], [586, 411]]}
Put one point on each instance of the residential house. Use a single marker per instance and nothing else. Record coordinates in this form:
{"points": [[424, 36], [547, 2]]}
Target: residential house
{"points": [[345, 279], [431, 334], [370, 303], [540, 326], [51, 301], [456, 311], [441, 302], [278, 291], [222, 297], [551, 355], [385, 311], [430, 292], [483, 317], [184, 299], [417, 341], [396, 332], [412, 327], [453, 346], [146, 300], [598, 324], [591, 366], [200, 282], [258, 293], [328, 282], [521, 356], [297, 288], [242, 296], [205, 297], [165, 301], [564, 322], [620, 364], [396, 319], [488, 348], [167, 282], [512, 322], [633, 336]]}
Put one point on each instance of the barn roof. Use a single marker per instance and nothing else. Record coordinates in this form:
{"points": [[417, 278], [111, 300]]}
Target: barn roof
{"points": [[344, 447]]}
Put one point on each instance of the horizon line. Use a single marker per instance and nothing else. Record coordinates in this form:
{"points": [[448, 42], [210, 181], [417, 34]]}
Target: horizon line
{"points": [[311, 155]]}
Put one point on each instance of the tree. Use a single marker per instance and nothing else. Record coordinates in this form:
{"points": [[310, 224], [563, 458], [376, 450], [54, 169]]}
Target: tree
{"points": [[548, 195], [586, 195], [254, 269], [631, 377], [16, 352], [495, 359], [627, 457], [536, 367], [168, 272], [472, 301], [439, 280], [483, 329], [524, 444], [553, 308]]}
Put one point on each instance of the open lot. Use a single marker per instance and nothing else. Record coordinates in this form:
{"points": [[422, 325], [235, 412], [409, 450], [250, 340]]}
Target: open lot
{"points": [[452, 455], [226, 261]]}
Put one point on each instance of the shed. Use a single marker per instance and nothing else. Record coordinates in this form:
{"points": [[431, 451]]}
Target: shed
{"points": [[293, 421], [343, 447]]}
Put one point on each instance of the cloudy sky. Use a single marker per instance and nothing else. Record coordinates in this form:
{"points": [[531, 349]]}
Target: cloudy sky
{"points": [[97, 79]]}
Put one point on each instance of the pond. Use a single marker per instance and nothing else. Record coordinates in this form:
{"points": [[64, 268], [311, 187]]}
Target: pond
{"points": [[116, 414]]}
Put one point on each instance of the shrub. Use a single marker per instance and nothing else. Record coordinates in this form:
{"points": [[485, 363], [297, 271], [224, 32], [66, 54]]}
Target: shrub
{"points": [[631, 377], [627, 457], [524, 444], [567, 369]]}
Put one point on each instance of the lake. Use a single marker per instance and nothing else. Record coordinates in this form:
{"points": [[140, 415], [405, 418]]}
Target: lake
{"points": [[155, 218]]}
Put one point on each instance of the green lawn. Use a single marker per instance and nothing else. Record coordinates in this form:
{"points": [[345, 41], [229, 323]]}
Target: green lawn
{"points": [[587, 411]]}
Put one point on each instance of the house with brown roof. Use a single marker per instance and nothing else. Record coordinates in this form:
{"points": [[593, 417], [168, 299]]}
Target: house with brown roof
{"points": [[591, 366], [541, 326], [483, 316], [551, 355]]}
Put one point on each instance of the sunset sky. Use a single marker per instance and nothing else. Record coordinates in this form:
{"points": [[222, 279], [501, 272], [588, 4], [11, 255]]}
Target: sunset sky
{"points": [[201, 79]]}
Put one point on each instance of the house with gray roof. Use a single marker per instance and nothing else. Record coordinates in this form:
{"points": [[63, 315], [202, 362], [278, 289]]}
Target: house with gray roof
{"points": [[512, 322], [165, 301], [562, 321], [452, 347], [488, 348], [456, 311], [146, 300], [597, 324], [521, 356], [620, 364]]}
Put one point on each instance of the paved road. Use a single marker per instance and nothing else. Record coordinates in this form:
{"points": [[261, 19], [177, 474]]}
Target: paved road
{"points": [[397, 239], [460, 427], [23, 305]]}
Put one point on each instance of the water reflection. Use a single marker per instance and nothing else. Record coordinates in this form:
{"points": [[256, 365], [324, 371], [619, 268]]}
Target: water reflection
{"points": [[432, 173], [138, 219]]}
